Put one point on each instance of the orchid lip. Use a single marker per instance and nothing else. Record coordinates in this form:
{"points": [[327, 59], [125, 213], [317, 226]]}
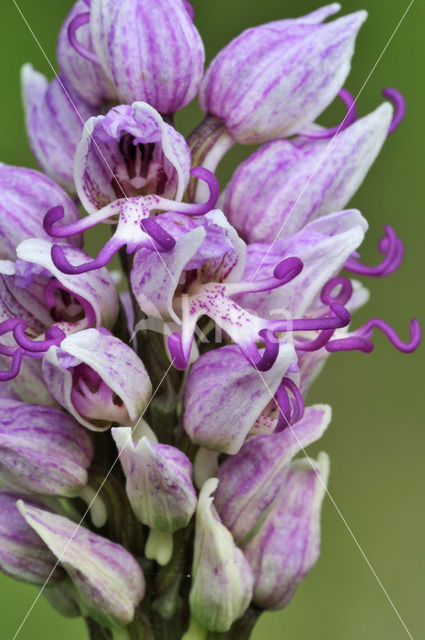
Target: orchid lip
{"points": [[391, 246], [151, 229], [399, 103], [350, 117], [341, 318], [344, 294], [80, 20]]}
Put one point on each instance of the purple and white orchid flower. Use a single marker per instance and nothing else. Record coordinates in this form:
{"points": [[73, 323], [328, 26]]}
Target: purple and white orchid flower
{"points": [[182, 447]]}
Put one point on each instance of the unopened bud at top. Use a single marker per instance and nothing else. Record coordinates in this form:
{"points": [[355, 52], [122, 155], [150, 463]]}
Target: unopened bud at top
{"points": [[273, 80]]}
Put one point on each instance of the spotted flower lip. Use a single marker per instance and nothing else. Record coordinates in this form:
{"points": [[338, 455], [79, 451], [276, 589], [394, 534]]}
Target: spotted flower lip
{"points": [[55, 117], [287, 545], [130, 151], [124, 36], [320, 178], [109, 581], [97, 378], [43, 450], [26, 197], [273, 80]]}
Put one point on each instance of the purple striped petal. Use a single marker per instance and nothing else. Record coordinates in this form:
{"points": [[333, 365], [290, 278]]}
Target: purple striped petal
{"points": [[43, 450], [109, 581], [55, 116], [87, 78], [224, 396], [287, 184], [97, 378], [274, 79], [150, 50], [250, 480], [288, 544], [23, 556], [222, 579], [27, 195], [159, 481], [128, 152]]}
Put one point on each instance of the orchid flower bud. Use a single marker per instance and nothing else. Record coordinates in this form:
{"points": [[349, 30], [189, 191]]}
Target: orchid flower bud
{"points": [[274, 79], [109, 582], [26, 197], [222, 578], [150, 50], [128, 152], [224, 396], [43, 450], [287, 545], [302, 179], [97, 378], [250, 480], [23, 555], [55, 117], [159, 481], [84, 75]]}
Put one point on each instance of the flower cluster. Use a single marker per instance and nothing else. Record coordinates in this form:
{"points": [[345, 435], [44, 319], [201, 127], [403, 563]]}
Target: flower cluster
{"points": [[200, 352]]}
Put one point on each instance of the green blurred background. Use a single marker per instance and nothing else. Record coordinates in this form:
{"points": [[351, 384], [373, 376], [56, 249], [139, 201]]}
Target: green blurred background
{"points": [[377, 439]]}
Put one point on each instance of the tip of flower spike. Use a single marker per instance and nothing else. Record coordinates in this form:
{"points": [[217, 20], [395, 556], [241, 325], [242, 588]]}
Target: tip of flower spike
{"points": [[399, 103], [288, 269]]}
